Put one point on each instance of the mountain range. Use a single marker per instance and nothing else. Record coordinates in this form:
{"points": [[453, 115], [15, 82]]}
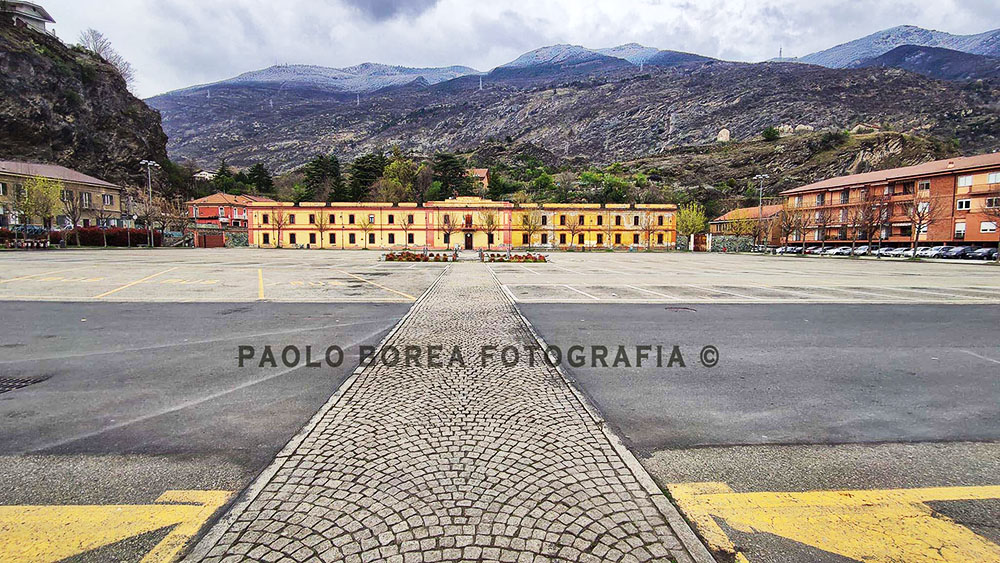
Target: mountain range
{"points": [[595, 105]]}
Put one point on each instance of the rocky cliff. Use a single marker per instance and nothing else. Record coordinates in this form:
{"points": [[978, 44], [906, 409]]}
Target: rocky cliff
{"points": [[65, 106]]}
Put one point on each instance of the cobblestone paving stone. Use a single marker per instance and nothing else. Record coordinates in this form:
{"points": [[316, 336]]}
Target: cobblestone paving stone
{"points": [[452, 464]]}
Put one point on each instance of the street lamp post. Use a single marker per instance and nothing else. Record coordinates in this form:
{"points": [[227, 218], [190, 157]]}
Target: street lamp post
{"points": [[149, 164], [760, 202]]}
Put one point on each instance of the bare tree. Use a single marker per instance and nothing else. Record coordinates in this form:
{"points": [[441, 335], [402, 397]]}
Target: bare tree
{"points": [[489, 222], [95, 42], [822, 219], [531, 223], [103, 213], [922, 213], [648, 226], [279, 220], [73, 210], [367, 226], [406, 225], [609, 228], [322, 225], [574, 227], [447, 225], [788, 222], [806, 219]]}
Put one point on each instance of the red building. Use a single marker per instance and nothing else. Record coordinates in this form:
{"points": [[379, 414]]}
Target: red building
{"points": [[222, 210], [953, 201]]}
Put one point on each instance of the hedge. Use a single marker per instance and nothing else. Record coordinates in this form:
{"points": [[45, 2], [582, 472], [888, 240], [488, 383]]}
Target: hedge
{"points": [[94, 236], [732, 244]]}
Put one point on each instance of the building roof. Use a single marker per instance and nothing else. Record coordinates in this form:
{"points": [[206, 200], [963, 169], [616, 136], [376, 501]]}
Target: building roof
{"points": [[31, 9], [229, 199], [749, 213], [480, 172], [948, 166], [54, 171]]}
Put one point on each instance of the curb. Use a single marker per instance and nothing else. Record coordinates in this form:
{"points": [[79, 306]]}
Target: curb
{"points": [[695, 549]]}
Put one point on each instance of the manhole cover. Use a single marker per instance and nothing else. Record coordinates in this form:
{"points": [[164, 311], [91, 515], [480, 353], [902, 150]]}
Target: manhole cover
{"points": [[12, 384]]}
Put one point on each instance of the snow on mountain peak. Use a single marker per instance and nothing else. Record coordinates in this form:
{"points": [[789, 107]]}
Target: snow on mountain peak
{"points": [[632, 52], [554, 55]]}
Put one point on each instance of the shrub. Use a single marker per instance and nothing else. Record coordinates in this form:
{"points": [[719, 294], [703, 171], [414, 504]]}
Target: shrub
{"points": [[771, 134], [94, 236]]}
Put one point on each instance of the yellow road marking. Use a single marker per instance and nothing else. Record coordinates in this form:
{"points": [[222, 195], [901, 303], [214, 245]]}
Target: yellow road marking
{"points": [[36, 275], [260, 283], [53, 533], [878, 526], [128, 285], [406, 295]]}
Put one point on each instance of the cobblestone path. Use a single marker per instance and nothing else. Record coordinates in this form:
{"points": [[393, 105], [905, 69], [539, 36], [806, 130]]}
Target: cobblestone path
{"points": [[466, 463]]}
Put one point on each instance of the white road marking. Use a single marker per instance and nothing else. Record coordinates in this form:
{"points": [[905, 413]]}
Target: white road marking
{"points": [[653, 292], [582, 292], [981, 357], [724, 292]]}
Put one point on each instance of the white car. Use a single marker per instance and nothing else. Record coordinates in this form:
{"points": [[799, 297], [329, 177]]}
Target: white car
{"points": [[863, 250], [923, 250]]}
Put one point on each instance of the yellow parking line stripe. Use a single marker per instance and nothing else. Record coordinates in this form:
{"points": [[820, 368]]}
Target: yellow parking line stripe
{"points": [[128, 285], [408, 296], [260, 283], [36, 275]]}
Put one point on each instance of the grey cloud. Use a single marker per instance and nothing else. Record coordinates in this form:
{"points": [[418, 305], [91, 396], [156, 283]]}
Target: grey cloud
{"points": [[381, 10]]}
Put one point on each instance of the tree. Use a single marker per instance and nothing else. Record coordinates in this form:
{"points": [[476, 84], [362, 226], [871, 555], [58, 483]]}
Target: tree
{"points": [[923, 212], [648, 226], [403, 172], [406, 226], [788, 222], [302, 193], [609, 228], [365, 170], [388, 190], [823, 218], [574, 227], [771, 134], [278, 221], [73, 210], [489, 222], [95, 42], [452, 171], [448, 225], [691, 220], [742, 225], [260, 178], [423, 183], [366, 227], [42, 199], [322, 225], [323, 177], [531, 223]]}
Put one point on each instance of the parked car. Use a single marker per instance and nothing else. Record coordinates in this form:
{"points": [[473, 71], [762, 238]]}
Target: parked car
{"points": [[983, 254], [907, 253], [842, 251], [939, 251], [897, 252], [923, 250], [814, 250], [884, 251], [958, 252]]}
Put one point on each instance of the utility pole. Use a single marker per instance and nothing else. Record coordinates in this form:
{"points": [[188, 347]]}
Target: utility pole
{"points": [[149, 164], [760, 202]]}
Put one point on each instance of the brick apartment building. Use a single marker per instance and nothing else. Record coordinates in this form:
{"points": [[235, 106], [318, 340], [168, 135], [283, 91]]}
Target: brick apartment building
{"points": [[951, 201]]}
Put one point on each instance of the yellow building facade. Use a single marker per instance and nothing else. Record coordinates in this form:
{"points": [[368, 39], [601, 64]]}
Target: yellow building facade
{"points": [[465, 223]]}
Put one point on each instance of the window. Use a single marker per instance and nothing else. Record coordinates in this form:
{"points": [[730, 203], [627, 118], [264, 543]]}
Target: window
{"points": [[350, 219], [447, 219], [845, 196], [86, 200], [545, 220], [409, 237], [312, 238], [333, 238], [447, 237], [392, 238], [3, 189], [659, 220], [371, 219], [988, 227], [992, 202], [842, 235], [352, 238], [600, 220], [635, 239], [924, 185], [524, 239], [820, 199], [291, 219], [333, 219], [600, 239], [964, 181], [659, 239], [266, 238], [843, 216], [409, 219], [994, 178], [960, 230], [580, 239], [291, 238], [222, 211], [618, 220], [108, 199], [265, 219], [581, 220], [798, 201], [489, 238], [562, 239], [312, 219], [562, 220], [923, 207], [392, 219], [635, 221], [618, 239], [545, 239], [964, 204], [371, 238]]}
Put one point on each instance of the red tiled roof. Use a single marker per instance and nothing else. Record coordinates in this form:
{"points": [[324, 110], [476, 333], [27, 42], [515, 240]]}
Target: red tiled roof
{"points": [[949, 166], [229, 199], [749, 213], [54, 171]]}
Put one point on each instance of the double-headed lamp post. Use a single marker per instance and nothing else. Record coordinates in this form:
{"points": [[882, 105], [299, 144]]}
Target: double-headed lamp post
{"points": [[760, 202], [149, 164]]}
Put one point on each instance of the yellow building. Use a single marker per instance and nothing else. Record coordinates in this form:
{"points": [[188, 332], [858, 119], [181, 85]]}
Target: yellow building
{"points": [[466, 223]]}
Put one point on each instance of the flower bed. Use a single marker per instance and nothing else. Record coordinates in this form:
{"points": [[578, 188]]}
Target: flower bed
{"points": [[519, 258], [414, 257]]}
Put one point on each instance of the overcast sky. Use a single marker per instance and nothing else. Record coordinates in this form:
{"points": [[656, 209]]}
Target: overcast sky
{"points": [[179, 43]]}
